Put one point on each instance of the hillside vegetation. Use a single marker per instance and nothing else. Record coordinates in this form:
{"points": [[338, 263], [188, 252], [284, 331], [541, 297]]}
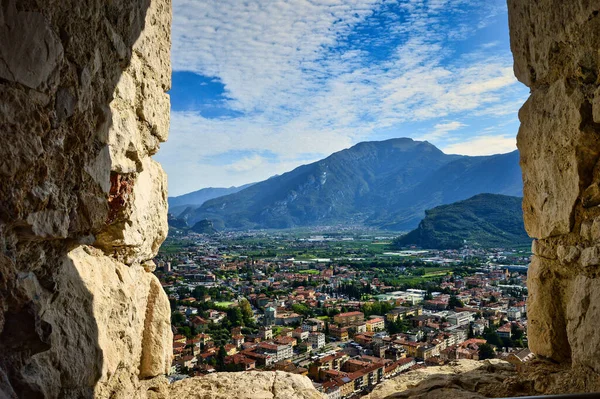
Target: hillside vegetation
{"points": [[485, 220]]}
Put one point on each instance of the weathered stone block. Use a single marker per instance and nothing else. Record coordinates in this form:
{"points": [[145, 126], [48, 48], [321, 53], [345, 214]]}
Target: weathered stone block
{"points": [[548, 140], [583, 313], [546, 328], [31, 52], [247, 385], [568, 254], [76, 321], [590, 257]]}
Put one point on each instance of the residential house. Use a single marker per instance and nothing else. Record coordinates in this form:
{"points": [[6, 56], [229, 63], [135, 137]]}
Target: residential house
{"points": [[317, 340], [504, 331], [348, 318], [375, 324], [300, 334], [341, 333], [278, 352]]}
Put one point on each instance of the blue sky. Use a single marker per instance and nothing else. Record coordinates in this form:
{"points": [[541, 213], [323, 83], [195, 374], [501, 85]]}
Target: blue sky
{"points": [[262, 86]]}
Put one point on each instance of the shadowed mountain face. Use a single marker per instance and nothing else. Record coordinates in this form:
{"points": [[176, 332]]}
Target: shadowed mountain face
{"points": [[486, 220], [387, 184]]}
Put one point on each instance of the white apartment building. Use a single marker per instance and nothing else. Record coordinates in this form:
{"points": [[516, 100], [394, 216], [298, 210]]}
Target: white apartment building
{"points": [[316, 339]]}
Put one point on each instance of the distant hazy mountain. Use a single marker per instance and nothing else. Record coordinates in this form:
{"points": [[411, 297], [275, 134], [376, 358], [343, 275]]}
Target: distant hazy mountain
{"points": [[387, 184], [485, 220], [194, 199]]}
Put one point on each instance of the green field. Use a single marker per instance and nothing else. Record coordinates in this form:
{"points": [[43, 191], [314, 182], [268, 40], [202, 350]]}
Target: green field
{"points": [[223, 304], [308, 272]]}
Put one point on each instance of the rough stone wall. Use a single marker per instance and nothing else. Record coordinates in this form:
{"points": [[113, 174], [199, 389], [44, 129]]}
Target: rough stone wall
{"points": [[82, 204], [245, 385], [556, 47], [83, 207]]}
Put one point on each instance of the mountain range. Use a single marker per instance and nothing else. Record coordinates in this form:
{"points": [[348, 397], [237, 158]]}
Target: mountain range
{"points": [[385, 184], [485, 220], [196, 198]]}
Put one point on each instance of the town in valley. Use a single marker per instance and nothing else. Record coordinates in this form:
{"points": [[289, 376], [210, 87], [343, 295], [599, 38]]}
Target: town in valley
{"points": [[345, 308]]}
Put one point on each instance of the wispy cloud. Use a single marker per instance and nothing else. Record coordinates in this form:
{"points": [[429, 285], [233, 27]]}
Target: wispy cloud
{"points": [[442, 129], [316, 76], [483, 145]]}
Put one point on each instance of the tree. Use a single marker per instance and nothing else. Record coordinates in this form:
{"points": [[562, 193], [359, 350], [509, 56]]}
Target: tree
{"points": [[247, 313], [516, 332], [486, 352], [471, 333], [185, 331], [454, 302], [221, 355], [235, 316], [398, 326], [301, 309], [177, 318], [493, 338]]}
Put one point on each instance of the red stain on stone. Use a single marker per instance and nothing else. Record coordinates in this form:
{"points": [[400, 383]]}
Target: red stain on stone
{"points": [[121, 188]]}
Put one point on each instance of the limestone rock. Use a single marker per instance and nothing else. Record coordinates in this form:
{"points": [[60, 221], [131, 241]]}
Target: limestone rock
{"points": [[82, 317], [488, 379], [583, 313], [141, 224], [460, 379], [546, 325], [99, 169], [550, 161], [49, 223], [542, 249], [555, 46], [31, 52], [590, 257], [246, 385], [157, 338], [568, 254], [111, 321], [596, 106], [591, 196]]}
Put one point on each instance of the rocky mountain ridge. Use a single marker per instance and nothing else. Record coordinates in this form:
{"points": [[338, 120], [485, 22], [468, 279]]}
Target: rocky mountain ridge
{"points": [[386, 185], [192, 200]]}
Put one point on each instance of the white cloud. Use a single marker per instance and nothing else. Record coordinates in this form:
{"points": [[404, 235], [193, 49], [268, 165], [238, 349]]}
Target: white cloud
{"points": [[259, 48], [441, 130], [246, 164], [490, 44], [483, 145], [284, 64]]}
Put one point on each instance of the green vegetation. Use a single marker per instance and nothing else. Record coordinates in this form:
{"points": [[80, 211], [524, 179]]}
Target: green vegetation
{"points": [[204, 227], [486, 220], [314, 272], [454, 302], [486, 352], [223, 304]]}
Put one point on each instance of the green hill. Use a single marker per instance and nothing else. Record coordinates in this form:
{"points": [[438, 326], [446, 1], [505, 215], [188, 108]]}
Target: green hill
{"points": [[485, 220], [204, 227]]}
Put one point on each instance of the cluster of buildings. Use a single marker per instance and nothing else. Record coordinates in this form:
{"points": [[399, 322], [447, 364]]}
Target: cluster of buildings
{"points": [[303, 324]]}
